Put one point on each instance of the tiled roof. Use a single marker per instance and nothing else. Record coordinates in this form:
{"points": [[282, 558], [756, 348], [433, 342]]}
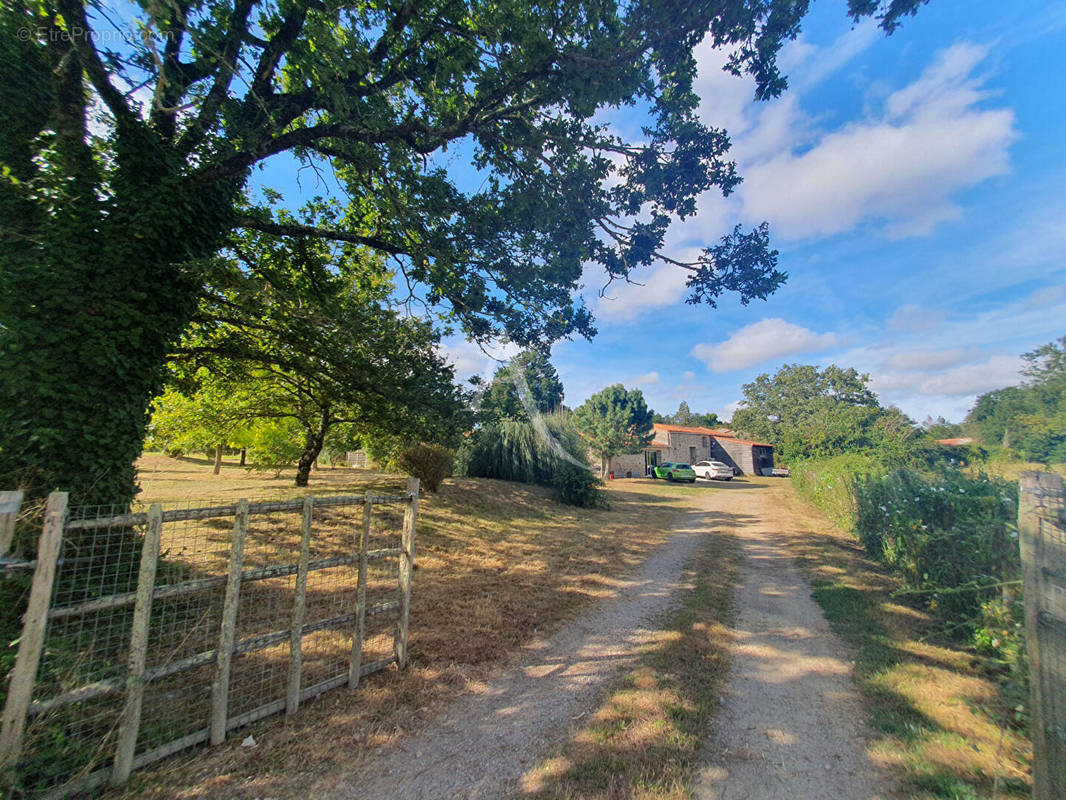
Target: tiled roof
{"points": [[959, 442], [717, 433], [660, 427], [745, 441]]}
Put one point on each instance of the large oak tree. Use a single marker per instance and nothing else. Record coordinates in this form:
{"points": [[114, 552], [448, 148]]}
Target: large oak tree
{"points": [[124, 150]]}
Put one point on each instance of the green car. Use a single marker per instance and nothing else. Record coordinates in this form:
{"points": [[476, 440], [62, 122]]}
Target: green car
{"points": [[674, 472]]}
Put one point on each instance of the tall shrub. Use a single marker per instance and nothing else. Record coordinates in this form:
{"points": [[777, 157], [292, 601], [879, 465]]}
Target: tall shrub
{"points": [[430, 463], [829, 484], [546, 450], [946, 534]]}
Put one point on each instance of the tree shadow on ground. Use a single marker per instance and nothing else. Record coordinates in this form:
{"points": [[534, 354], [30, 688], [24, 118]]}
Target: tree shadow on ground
{"points": [[945, 731]]}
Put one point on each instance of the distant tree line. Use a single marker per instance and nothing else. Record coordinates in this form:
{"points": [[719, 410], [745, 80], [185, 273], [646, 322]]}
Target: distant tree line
{"points": [[1029, 419]]}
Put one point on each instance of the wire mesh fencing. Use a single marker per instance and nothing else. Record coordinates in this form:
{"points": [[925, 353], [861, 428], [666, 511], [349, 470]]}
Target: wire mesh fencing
{"points": [[1042, 537], [152, 632]]}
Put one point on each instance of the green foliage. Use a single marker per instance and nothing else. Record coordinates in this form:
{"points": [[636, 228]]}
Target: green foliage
{"points": [[107, 227], [949, 537], [275, 444], [685, 416], [522, 451], [809, 413], [528, 382], [215, 415], [945, 535], [829, 483], [545, 451], [430, 463], [615, 420], [302, 328], [940, 428], [577, 486], [805, 412], [1029, 419], [340, 440]]}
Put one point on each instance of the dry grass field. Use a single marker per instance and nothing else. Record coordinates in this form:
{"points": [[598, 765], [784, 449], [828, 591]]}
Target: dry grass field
{"points": [[496, 564]]}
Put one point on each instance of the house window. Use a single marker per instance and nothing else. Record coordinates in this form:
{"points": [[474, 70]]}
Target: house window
{"points": [[704, 441]]}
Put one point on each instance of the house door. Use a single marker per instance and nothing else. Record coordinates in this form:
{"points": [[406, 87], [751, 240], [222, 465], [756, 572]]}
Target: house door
{"points": [[692, 455]]}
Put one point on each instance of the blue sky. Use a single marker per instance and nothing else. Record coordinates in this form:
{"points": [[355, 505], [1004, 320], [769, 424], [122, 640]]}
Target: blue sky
{"points": [[914, 186]]}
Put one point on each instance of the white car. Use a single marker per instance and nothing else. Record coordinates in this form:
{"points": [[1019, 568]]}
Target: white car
{"points": [[713, 470]]}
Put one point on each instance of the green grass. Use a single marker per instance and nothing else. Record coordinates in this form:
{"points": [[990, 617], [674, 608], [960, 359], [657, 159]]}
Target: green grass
{"points": [[944, 727]]}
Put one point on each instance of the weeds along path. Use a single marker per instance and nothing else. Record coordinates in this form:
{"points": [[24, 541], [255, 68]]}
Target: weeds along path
{"points": [[483, 743], [791, 725]]}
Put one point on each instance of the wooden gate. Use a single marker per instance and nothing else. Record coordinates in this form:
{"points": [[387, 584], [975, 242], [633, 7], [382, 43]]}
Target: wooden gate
{"points": [[147, 633]]}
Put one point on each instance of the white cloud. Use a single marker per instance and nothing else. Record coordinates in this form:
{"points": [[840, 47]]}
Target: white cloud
{"points": [[997, 372], [808, 64], [647, 379], [761, 341], [725, 413], [689, 376], [915, 319], [900, 167], [1048, 296], [920, 360], [469, 359], [625, 301]]}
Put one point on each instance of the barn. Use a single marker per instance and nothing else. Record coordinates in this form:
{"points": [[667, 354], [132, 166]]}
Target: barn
{"points": [[687, 445]]}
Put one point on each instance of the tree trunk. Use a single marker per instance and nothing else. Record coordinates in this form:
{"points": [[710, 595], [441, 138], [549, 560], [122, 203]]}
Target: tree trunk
{"points": [[218, 458], [244, 455], [312, 447], [93, 298]]}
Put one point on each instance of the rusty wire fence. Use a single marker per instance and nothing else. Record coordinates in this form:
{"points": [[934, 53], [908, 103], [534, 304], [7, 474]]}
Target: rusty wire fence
{"points": [[152, 632]]}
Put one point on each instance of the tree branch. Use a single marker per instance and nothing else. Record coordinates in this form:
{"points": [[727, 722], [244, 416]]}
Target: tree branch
{"points": [[279, 229]]}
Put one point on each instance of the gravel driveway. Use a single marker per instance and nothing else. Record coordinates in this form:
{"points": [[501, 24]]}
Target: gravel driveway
{"points": [[485, 741], [790, 726]]}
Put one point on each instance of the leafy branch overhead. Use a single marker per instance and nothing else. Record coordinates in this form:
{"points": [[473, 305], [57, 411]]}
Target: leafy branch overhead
{"points": [[127, 146]]}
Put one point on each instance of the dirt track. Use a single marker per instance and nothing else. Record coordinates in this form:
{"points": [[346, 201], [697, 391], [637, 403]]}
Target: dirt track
{"points": [[790, 726]]}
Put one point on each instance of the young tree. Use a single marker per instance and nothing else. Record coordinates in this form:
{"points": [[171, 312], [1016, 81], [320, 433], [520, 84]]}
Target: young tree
{"points": [[302, 327], [614, 421], [1030, 419], [214, 417], [123, 168], [528, 378]]}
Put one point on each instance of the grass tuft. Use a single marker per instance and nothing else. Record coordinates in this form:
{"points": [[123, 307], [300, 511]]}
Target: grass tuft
{"points": [[944, 728], [644, 739]]}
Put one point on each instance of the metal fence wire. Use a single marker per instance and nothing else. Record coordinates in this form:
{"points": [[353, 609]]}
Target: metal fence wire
{"points": [[165, 629], [1042, 537]]}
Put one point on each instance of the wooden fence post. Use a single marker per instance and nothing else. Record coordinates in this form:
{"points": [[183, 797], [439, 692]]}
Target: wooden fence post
{"points": [[10, 503], [130, 721], [299, 607], [356, 663], [1042, 539], [20, 690], [407, 562], [228, 628]]}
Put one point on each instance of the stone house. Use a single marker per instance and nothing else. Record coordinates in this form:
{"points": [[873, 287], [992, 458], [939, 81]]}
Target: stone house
{"points": [[687, 445]]}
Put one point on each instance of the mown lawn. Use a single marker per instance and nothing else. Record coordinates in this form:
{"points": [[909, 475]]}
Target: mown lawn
{"points": [[497, 564]]}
